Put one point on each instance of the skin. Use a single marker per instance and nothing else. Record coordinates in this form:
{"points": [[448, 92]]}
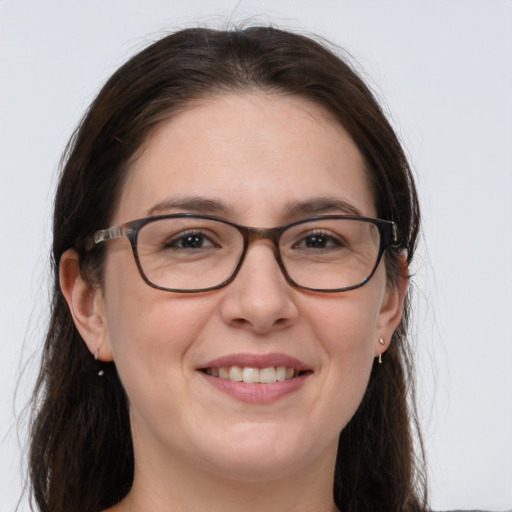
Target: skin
{"points": [[256, 153]]}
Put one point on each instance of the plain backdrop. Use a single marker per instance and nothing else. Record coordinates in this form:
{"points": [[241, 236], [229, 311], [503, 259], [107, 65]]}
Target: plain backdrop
{"points": [[443, 71]]}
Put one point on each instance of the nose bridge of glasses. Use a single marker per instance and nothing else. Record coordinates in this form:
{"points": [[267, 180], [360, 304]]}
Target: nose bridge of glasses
{"points": [[271, 234], [256, 234]]}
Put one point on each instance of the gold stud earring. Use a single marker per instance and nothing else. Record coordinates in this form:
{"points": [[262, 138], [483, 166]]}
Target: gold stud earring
{"points": [[382, 342]]}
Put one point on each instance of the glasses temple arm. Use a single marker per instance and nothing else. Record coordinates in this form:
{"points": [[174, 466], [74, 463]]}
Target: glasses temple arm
{"points": [[108, 234]]}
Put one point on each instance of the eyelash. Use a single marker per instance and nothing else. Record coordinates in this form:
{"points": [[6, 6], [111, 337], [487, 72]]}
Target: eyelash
{"points": [[172, 243], [329, 238]]}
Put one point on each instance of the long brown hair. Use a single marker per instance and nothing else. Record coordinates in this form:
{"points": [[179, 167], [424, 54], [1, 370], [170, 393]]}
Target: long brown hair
{"points": [[81, 455]]}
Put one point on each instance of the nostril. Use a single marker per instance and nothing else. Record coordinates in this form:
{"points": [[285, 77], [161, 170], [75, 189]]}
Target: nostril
{"points": [[260, 324], [240, 322]]}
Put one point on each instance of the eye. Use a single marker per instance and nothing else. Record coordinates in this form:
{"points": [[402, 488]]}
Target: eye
{"points": [[319, 240], [189, 240]]}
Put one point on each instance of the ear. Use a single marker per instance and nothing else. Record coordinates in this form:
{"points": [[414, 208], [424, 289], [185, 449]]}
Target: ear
{"points": [[86, 304], [390, 314]]}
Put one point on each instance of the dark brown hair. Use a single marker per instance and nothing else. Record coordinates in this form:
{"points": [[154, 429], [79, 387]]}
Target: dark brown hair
{"points": [[81, 456]]}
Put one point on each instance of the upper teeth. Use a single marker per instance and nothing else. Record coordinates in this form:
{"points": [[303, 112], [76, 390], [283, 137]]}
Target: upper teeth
{"points": [[250, 374]]}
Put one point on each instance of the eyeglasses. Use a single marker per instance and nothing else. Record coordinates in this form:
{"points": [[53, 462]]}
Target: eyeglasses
{"points": [[190, 253]]}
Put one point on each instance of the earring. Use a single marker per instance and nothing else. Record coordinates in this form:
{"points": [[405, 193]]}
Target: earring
{"points": [[382, 342], [101, 372]]}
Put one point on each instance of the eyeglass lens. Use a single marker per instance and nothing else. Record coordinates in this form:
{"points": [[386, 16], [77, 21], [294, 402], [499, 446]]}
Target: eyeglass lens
{"points": [[197, 253]]}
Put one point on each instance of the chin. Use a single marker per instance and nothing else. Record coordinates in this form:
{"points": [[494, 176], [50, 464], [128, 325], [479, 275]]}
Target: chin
{"points": [[262, 452]]}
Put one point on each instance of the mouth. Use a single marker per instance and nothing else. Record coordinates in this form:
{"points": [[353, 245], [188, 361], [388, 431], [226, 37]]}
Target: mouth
{"points": [[256, 378], [254, 375]]}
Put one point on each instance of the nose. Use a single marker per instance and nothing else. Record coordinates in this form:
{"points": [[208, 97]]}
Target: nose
{"points": [[259, 299]]}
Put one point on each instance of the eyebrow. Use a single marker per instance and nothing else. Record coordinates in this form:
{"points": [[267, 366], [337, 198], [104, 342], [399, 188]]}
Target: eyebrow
{"points": [[194, 204], [319, 205], [294, 209]]}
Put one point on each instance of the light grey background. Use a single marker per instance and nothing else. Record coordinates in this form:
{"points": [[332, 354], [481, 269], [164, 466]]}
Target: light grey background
{"points": [[444, 69]]}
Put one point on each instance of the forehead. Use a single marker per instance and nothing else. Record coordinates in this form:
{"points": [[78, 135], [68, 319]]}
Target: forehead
{"points": [[252, 154]]}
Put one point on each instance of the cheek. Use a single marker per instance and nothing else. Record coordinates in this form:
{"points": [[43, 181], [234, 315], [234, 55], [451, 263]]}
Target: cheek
{"points": [[147, 327], [345, 327], [139, 316], [153, 343], [152, 328]]}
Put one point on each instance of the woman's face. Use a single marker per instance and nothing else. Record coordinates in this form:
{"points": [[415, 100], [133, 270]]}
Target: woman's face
{"points": [[259, 160]]}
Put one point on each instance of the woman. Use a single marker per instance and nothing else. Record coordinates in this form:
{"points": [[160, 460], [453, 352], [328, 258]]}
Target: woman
{"points": [[193, 363]]}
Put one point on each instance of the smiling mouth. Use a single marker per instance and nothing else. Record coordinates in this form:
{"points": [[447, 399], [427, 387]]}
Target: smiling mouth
{"points": [[252, 375]]}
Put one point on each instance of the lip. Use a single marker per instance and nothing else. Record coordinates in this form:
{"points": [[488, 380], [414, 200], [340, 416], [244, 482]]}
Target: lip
{"points": [[256, 361], [257, 393]]}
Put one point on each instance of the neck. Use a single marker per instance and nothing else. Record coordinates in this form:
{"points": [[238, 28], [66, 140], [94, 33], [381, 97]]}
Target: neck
{"points": [[175, 487]]}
